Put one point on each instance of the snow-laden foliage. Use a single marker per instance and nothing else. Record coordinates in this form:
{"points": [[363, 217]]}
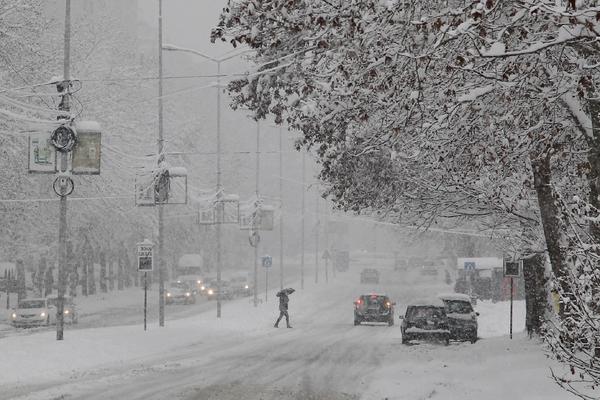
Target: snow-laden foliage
{"points": [[399, 102]]}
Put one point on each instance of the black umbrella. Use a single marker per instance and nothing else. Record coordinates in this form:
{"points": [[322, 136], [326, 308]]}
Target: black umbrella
{"points": [[286, 291]]}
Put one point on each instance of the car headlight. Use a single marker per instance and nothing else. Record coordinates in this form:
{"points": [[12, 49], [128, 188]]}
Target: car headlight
{"points": [[43, 314], [168, 294], [188, 294], [14, 315], [67, 312], [210, 291], [198, 281], [246, 287], [202, 287]]}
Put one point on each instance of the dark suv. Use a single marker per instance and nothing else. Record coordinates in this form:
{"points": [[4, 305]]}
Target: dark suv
{"points": [[369, 275], [374, 308], [462, 319], [425, 321]]}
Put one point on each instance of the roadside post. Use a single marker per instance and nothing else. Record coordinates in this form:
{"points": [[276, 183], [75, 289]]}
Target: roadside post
{"points": [[145, 253], [267, 263], [326, 257], [470, 267], [511, 269]]}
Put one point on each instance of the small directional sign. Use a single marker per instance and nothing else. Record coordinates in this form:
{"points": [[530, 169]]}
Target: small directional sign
{"points": [[267, 261]]}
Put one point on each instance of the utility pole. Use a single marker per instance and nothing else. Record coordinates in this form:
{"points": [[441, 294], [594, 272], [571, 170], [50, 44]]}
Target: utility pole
{"points": [[326, 232], [303, 212], [317, 223], [161, 282], [65, 106], [256, 213], [220, 216], [281, 208]]}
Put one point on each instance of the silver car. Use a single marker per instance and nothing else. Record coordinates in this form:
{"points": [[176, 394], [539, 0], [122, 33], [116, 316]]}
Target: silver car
{"points": [[33, 312]]}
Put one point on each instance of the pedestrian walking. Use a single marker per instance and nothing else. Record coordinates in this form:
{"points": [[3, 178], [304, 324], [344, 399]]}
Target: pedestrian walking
{"points": [[283, 306]]}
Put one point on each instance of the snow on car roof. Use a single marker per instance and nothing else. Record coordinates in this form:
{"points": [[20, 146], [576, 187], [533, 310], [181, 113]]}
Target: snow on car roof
{"points": [[454, 296], [427, 302]]}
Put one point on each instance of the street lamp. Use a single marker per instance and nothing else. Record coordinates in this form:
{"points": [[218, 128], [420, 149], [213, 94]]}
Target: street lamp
{"points": [[218, 61]]}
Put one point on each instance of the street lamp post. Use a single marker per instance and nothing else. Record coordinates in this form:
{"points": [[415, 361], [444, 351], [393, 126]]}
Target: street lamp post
{"points": [[281, 211], [303, 209], [219, 214], [161, 281]]}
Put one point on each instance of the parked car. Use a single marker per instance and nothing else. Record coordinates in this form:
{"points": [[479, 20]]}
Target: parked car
{"points": [[179, 292], [69, 310], [462, 319], [374, 308], [241, 286], [369, 275], [33, 312], [212, 290], [425, 320]]}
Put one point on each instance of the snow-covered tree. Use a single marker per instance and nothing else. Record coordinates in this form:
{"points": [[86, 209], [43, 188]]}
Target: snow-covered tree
{"points": [[428, 111]]}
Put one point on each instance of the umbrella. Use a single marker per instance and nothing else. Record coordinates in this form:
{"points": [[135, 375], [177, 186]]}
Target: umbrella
{"points": [[286, 291]]}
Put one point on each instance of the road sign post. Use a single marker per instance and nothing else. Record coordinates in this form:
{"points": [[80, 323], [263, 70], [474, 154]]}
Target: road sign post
{"points": [[267, 263], [511, 269], [145, 254]]}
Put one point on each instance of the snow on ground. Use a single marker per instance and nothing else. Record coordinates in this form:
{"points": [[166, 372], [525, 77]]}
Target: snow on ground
{"points": [[241, 355]]}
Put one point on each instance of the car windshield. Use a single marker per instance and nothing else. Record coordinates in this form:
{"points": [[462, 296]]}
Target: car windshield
{"points": [[458, 306], [32, 304], [425, 312], [179, 285]]}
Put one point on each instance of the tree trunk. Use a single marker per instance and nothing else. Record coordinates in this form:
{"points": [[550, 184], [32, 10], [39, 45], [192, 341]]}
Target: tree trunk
{"points": [[535, 293], [103, 287], [111, 273], [594, 161], [21, 285], [550, 215], [91, 277]]}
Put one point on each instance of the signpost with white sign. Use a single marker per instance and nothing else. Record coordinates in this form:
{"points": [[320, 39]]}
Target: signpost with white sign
{"points": [[511, 269], [267, 263], [145, 254]]}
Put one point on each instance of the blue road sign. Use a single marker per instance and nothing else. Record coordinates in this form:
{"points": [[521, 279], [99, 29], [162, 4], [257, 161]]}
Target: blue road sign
{"points": [[267, 261], [469, 266]]}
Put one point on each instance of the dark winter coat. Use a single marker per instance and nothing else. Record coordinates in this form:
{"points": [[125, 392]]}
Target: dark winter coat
{"points": [[283, 301]]}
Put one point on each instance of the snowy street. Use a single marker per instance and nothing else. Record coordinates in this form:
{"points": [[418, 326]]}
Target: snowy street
{"points": [[413, 186], [242, 356]]}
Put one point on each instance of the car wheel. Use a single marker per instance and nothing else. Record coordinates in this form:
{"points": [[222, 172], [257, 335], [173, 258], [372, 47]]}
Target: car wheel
{"points": [[48, 321], [391, 322], [446, 340], [405, 340], [356, 322], [473, 339]]}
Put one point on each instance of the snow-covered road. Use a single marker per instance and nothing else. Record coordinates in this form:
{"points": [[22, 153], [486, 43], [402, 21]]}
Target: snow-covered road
{"points": [[242, 356]]}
